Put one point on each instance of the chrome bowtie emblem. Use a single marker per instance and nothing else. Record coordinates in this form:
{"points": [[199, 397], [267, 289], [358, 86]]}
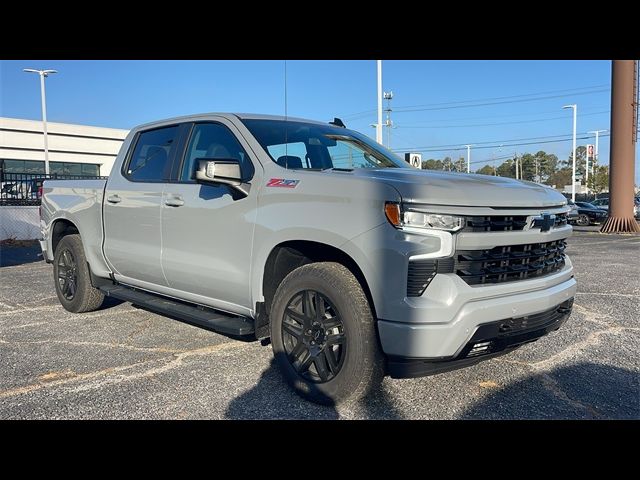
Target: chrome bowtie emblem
{"points": [[545, 221]]}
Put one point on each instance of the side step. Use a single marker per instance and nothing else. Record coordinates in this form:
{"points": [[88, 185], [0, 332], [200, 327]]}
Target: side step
{"points": [[224, 323]]}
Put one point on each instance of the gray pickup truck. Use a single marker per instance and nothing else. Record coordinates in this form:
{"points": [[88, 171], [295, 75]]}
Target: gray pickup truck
{"points": [[313, 238]]}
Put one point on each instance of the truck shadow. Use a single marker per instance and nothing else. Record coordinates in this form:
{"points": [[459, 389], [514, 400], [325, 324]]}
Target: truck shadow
{"points": [[19, 252], [581, 391], [272, 398]]}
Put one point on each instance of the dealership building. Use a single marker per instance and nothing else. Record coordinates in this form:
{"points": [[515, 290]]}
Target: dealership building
{"points": [[73, 149]]}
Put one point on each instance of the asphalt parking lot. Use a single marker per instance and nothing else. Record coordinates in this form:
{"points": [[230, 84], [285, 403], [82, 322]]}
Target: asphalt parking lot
{"points": [[122, 362]]}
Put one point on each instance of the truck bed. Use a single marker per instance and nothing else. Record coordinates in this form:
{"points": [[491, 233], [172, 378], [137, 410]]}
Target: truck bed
{"points": [[79, 201]]}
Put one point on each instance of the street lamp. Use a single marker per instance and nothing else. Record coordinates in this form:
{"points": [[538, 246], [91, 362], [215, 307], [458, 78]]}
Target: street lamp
{"points": [[573, 175], [43, 74]]}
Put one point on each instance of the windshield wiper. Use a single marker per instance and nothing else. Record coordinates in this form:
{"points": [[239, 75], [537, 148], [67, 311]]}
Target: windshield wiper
{"points": [[337, 169]]}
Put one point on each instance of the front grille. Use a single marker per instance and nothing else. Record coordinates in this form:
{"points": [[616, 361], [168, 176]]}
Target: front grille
{"points": [[503, 223], [509, 263]]}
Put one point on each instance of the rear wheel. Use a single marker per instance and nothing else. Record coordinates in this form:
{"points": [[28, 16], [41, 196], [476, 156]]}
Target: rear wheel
{"points": [[323, 334], [583, 220], [72, 279]]}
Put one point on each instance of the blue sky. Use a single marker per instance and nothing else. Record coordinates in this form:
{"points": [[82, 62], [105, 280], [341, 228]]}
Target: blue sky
{"points": [[436, 103]]}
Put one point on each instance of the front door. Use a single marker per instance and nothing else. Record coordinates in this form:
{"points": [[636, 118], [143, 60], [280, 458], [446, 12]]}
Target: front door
{"points": [[132, 208], [207, 230]]}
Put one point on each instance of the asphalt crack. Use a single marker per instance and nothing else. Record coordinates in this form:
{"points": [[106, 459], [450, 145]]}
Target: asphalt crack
{"points": [[114, 375]]}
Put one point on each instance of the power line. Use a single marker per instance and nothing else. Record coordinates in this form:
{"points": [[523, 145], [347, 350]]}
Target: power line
{"points": [[365, 112], [399, 110], [495, 144], [483, 117], [498, 141], [500, 123], [565, 90]]}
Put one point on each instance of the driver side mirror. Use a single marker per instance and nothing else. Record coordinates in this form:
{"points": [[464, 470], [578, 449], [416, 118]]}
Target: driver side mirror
{"points": [[226, 171]]}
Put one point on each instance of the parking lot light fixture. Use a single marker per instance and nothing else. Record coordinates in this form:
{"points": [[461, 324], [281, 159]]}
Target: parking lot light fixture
{"points": [[43, 74]]}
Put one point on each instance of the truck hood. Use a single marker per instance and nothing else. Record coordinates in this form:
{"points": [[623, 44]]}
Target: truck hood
{"points": [[460, 189]]}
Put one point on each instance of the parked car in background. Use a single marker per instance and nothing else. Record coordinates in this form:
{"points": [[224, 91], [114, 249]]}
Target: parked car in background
{"points": [[588, 214], [604, 204], [572, 215]]}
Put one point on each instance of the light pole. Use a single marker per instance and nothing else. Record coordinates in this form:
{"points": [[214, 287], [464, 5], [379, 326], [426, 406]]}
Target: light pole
{"points": [[379, 124], [573, 175], [468, 157], [43, 74]]}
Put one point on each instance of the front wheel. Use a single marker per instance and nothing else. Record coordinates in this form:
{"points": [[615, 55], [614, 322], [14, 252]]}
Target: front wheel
{"points": [[72, 279], [323, 334], [583, 220]]}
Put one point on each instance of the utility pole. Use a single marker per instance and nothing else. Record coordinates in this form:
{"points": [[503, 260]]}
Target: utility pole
{"points": [[573, 175], [379, 124], [468, 157], [388, 96], [624, 104]]}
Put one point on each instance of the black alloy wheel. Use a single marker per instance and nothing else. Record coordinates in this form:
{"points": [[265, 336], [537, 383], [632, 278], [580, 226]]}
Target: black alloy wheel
{"points": [[67, 274], [313, 336]]}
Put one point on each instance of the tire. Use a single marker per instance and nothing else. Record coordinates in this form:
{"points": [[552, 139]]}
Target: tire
{"points": [[71, 277], [347, 343], [583, 220]]}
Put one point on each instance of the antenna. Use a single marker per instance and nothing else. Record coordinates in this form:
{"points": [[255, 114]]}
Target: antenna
{"points": [[286, 129]]}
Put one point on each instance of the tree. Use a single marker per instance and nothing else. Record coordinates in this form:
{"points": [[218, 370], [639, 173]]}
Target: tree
{"points": [[581, 156], [486, 170], [507, 169], [432, 164], [461, 165], [447, 164], [560, 178], [599, 181], [547, 164]]}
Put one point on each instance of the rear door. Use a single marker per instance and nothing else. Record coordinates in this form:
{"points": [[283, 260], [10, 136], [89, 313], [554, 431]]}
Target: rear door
{"points": [[207, 230], [132, 207]]}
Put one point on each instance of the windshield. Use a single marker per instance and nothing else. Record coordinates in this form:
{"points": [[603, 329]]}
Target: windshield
{"points": [[312, 146]]}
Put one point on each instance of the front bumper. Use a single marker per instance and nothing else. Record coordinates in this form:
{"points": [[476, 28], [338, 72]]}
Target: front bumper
{"points": [[489, 340], [440, 323]]}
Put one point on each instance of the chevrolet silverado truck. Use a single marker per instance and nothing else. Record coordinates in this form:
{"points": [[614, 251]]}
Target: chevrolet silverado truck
{"points": [[313, 238]]}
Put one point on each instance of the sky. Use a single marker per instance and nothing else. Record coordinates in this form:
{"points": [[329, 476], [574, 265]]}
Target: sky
{"points": [[437, 107]]}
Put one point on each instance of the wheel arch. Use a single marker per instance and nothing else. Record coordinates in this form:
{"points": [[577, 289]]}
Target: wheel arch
{"points": [[291, 254], [60, 228]]}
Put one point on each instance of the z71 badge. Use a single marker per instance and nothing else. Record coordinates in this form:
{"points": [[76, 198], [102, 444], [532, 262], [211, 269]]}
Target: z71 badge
{"points": [[282, 182]]}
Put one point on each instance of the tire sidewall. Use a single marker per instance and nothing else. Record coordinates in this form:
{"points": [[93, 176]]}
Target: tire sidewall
{"points": [[74, 245], [356, 335]]}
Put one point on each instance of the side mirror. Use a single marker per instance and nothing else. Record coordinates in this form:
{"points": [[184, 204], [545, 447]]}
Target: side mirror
{"points": [[226, 171]]}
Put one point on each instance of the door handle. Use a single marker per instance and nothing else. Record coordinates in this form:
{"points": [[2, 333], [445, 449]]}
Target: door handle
{"points": [[114, 199], [174, 202]]}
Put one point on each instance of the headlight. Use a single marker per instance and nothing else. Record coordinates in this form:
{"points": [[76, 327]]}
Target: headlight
{"points": [[413, 219]]}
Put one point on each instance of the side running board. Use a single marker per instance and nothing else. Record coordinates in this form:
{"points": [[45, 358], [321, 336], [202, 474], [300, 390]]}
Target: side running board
{"points": [[224, 323]]}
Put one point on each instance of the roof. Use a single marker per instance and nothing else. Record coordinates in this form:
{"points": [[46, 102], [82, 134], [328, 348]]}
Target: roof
{"points": [[229, 116]]}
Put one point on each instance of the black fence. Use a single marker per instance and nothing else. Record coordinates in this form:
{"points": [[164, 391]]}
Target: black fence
{"points": [[25, 189]]}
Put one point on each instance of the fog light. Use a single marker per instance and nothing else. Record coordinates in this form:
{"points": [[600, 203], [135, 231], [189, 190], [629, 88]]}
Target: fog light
{"points": [[480, 349]]}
